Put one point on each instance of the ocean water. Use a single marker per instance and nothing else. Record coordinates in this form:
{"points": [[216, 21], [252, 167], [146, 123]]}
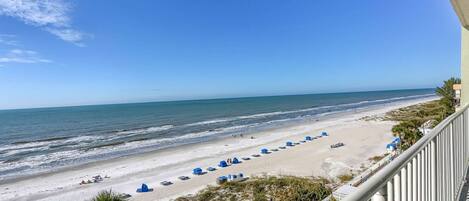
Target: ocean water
{"points": [[39, 140]]}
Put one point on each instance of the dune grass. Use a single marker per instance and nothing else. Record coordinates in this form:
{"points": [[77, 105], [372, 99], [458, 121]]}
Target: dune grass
{"points": [[108, 195], [345, 178], [287, 188]]}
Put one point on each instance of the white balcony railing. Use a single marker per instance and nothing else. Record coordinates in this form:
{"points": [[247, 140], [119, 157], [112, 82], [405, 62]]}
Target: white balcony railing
{"points": [[433, 169]]}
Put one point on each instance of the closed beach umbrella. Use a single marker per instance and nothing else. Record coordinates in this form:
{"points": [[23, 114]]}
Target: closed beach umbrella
{"points": [[223, 164], [391, 147], [197, 171]]}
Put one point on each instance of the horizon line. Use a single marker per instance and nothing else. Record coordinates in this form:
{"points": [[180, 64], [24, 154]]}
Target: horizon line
{"points": [[205, 99]]}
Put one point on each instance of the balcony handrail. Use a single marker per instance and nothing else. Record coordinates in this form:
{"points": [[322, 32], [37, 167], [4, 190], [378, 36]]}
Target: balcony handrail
{"points": [[378, 181]]}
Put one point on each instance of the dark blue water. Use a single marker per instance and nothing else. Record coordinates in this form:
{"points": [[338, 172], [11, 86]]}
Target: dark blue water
{"points": [[33, 140]]}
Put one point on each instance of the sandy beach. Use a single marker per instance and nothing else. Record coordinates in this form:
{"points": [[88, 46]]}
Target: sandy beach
{"points": [[362, 139]]}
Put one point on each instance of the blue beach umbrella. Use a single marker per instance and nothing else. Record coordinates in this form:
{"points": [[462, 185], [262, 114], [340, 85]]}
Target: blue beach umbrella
{"points": [[223, 164]]}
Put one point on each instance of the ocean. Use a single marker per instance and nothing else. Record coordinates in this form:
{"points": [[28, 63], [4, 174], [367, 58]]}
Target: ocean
{"points": [[40, 140]]}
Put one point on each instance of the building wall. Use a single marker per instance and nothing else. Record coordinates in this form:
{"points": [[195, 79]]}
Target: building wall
{"points": [[464, 66]]}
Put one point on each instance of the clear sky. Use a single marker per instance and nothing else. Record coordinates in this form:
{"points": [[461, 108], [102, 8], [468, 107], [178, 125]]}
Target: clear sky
{"points": [[94, 52]]}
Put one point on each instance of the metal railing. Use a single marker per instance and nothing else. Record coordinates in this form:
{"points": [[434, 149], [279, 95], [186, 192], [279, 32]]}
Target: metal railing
{"points": [[433, 169]]}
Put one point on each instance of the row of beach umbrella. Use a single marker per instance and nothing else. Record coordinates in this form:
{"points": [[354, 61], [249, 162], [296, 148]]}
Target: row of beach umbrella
{"points": [[223, 164]]}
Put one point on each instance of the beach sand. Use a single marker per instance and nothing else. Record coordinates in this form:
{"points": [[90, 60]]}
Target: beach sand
{"points": [[362, 139]]}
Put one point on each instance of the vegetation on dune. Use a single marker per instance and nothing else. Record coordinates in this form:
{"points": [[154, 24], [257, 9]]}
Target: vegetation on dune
{"points": [[345, 178], [377, 158], [448, 95], [266, 188], [414, 117], [108, 196]]}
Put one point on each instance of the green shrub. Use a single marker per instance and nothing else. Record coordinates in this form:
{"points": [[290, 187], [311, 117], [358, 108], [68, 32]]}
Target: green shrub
{"points": [[108, 196]]}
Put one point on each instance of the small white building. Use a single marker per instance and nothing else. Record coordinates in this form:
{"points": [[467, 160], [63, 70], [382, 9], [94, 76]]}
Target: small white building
{"points": [[426, 127], [457, 94]]}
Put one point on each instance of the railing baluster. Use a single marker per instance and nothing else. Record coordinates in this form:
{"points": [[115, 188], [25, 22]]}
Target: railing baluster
{"points": [[432, 171], [438, 170], [419, 175], [409, 181], [397, 187], [445, 165], [451, 158], [414, 179], [424, 174], [404, 184], [427, 184], [390, 189]]}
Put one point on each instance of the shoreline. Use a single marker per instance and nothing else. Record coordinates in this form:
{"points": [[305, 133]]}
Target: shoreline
{"points": [[126, 172]]}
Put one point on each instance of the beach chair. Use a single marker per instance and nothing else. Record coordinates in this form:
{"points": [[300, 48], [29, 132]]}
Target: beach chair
{"points": [[166, 183], [337, 145], [183, 178], [211, 169]]}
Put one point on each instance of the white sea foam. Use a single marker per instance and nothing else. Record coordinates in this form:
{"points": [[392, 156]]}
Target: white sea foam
{"points": [[262, 115], [145, 130]]}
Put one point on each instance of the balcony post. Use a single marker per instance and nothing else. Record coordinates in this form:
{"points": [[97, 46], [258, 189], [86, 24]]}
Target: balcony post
{"points": [[464, 66]]}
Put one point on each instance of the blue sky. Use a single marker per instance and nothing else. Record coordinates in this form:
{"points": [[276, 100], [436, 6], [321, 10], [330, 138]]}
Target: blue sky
{"points": [[60, 53]]}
